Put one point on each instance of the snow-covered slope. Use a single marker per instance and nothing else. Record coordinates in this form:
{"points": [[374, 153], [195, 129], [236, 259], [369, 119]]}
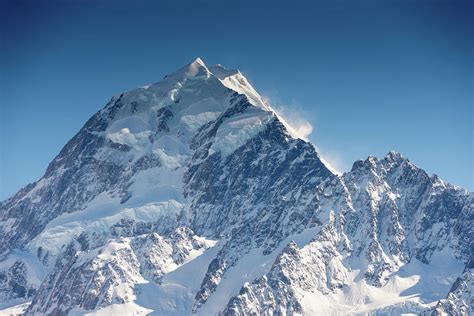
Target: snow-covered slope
{"points": [[191, 195], [460, 299]]}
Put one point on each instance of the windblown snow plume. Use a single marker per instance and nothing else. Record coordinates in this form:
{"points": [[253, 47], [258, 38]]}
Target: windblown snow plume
{"points": [[294, 121]]}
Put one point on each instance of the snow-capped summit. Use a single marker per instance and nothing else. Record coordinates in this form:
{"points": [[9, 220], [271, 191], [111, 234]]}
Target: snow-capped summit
{"points": [[199, 61], [232, 79], [195, 69], [190, 195]]}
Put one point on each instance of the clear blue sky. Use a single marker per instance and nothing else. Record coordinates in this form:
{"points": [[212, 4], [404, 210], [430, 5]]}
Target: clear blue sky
{"points": [[370, 76]]}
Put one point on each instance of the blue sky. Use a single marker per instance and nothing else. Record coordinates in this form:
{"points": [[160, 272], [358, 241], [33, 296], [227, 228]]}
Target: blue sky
{"points": [[369, 76]]}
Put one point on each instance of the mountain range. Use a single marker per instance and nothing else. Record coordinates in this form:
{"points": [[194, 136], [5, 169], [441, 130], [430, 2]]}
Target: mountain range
{"points": [[193, 196]]}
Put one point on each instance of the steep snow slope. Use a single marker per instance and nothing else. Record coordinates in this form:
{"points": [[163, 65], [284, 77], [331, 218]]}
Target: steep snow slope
{"points": [[191, 195]]}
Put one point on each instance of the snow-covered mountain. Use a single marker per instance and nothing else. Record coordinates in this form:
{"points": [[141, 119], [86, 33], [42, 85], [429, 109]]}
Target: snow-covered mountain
{"points": [[192, 196]]}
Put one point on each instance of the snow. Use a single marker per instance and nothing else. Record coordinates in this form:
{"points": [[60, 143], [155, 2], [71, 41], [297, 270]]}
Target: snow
{"points": [[14, 310], [147, 186], [236, 131], [234, 80], [134, 140], [329, 166], [205, 105], [145, 294], [197, 95], [132, 124], [195, 69], [113, 309], [175, 294], [415, 285], [248, 268], [171, 151], [35, 271], [194, 122], [156, 192], [97, 218]]}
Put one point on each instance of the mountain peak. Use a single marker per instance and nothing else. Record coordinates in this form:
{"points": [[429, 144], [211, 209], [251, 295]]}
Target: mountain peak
{"points": [[197, 68], [394, 156], [199, 61], [230, 78], [194, 184]]}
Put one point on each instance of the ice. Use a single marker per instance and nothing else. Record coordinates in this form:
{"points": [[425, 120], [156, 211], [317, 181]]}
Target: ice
{"points": [[13, 310], [97, 219], [236, 131], [132, 124]]}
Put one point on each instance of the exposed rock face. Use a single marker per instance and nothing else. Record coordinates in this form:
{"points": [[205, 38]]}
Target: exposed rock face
{"points": [[192, 196], [14, 284], [103, 276], [384, 229]]}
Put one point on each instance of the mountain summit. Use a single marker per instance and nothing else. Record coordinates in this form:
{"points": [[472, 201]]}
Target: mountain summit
{"points": [[191, 196]]}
